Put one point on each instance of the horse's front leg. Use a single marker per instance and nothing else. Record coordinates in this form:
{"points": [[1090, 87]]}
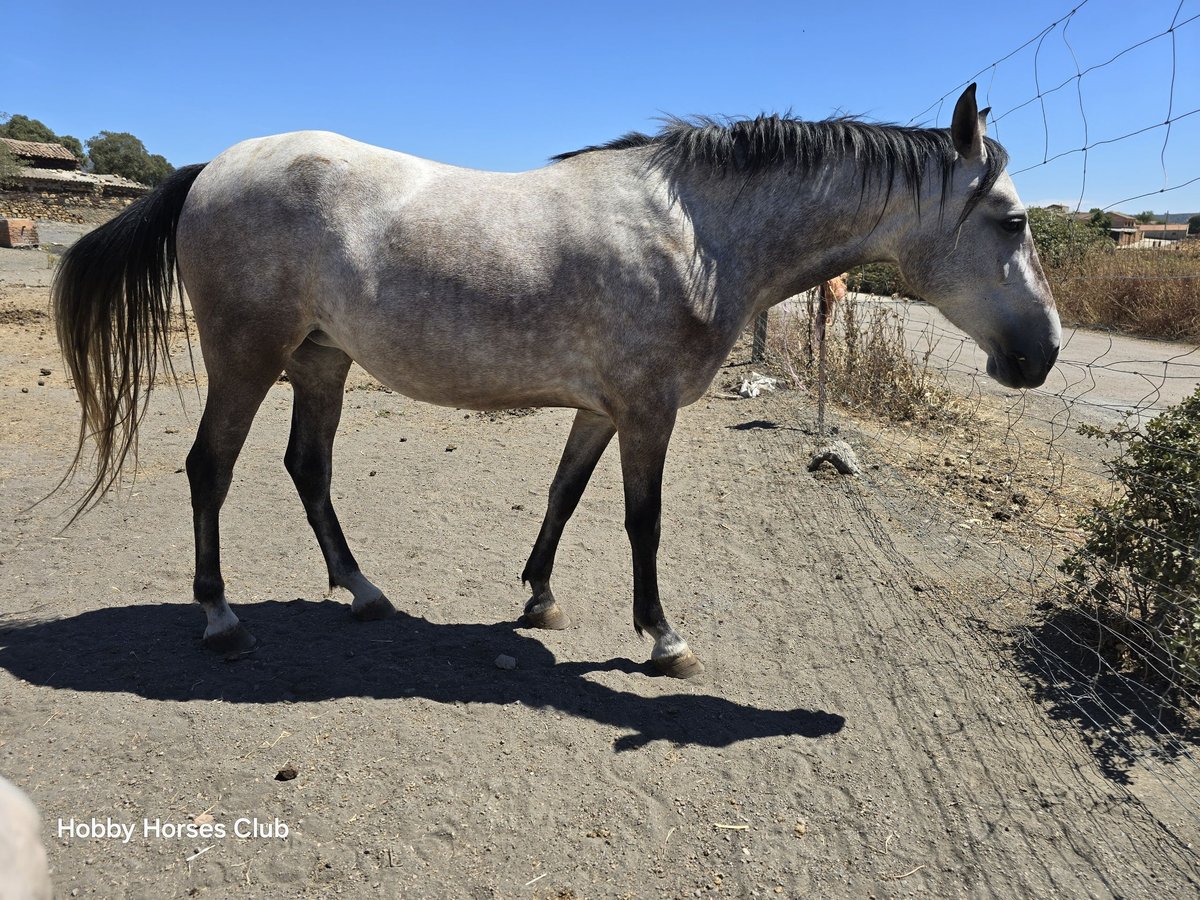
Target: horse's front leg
{"points": [[590, 434], [643, 439]]}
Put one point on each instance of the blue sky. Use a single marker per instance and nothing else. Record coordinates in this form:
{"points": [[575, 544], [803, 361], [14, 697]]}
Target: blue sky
{"points": [[505, 85]]}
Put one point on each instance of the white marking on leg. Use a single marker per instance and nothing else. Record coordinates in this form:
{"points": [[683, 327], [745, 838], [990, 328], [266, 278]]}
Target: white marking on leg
{"points": [[667, 644], [364, 592], [220, 618]]}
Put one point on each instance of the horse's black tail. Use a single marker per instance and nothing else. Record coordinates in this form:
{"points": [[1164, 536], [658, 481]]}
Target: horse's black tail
{"points": [[112, 299]]}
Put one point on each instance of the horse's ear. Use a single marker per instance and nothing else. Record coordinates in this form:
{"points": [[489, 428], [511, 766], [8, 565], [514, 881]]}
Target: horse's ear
{"points": [[967, 127]]}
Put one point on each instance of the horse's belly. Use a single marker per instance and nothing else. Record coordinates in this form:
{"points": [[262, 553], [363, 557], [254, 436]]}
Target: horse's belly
{"points": [[466, 371]]}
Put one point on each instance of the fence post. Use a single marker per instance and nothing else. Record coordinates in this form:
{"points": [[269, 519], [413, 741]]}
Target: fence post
{"points": [[823, 300], [759, 353]]}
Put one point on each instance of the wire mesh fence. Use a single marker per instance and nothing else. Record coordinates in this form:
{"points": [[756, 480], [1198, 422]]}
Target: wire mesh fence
{"points": [[1108, 642]]}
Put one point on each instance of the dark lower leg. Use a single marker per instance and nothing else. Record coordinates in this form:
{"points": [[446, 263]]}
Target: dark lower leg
{"points": [[318, 377], [590, 434], [209, 472], [643, 454]]}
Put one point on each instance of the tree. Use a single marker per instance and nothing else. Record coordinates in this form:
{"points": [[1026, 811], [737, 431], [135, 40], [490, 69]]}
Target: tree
{"points": [[1194, 224], [23, 128], [1100, 219], [120, 153], [9, 164], [1146, 217]]}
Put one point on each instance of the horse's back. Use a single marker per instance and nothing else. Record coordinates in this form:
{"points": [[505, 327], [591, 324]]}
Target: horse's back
{"points": [[451, 285]]}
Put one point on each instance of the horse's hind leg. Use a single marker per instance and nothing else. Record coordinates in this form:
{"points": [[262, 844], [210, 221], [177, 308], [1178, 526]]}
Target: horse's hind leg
{"points": [[318, 377], [234, 395], [590, 434], [644, 439]]}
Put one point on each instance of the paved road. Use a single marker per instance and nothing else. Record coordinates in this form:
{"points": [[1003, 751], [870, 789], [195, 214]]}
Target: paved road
{"points": [[1099, 376]]}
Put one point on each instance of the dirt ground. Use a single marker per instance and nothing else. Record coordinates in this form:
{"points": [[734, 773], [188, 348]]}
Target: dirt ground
{"points": [[862, 730]]}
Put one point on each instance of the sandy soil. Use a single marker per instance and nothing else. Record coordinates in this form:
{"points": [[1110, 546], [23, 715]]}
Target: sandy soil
{"points": [[863, 729]]}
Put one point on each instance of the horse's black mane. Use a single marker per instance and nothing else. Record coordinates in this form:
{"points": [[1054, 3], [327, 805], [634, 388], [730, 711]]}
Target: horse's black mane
{"points": [[766, 143]]}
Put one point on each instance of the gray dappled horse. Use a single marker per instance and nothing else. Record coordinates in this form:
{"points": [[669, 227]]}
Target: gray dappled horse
{"points": [[614, 281]]}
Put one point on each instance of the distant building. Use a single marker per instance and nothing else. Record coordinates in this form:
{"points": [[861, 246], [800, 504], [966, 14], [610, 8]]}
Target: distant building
{"points": [[54, 169], [1123, 229], [42, 156], [1175, 231]]}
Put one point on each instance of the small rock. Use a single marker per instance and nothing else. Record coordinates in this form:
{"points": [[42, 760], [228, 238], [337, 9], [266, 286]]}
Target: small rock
{"points": [[801, 829], [839, 455], [504, 661], [287, 773], [450, 448], [41, 383], [518, 506], [45, 371], [371, 474], [1002, 515], [1020, 499], [24, 390]]}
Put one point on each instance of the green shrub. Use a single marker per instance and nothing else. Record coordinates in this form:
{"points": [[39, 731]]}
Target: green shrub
{"points": [[877, 278], [1138, 570], [1065, 242]]}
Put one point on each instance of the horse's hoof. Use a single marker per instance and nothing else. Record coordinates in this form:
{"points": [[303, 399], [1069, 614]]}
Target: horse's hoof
{"points": [[682, 665], [232, 642], [373, 610], [549, 616]]}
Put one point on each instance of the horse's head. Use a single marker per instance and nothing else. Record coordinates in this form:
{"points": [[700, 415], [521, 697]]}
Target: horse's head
{"points": [[981, 269]]}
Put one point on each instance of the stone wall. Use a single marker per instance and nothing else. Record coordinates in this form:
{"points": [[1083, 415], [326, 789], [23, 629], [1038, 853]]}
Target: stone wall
{"points": [[88, 209]]}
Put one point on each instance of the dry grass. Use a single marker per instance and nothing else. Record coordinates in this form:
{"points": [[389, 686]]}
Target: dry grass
{"points": [[869, 367], [1153, 293]]}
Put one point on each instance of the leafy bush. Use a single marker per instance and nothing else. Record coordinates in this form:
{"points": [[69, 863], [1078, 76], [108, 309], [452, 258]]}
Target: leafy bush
{"points": [[1065, 242], [877, 278], [1138, 571]]}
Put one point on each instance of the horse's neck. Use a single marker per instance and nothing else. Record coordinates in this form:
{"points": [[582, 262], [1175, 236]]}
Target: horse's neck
{"points": [[776, 234]]}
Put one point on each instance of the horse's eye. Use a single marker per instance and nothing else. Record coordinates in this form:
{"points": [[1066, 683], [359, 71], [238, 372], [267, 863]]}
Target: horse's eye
{"points": [[1013, 224]]}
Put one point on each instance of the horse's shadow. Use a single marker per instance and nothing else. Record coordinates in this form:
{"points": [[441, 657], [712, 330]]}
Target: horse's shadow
{"points": [[311, 651]]}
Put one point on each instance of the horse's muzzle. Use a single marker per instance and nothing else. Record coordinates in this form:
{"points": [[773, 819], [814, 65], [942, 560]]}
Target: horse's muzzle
{"points": [[1017, 370]]}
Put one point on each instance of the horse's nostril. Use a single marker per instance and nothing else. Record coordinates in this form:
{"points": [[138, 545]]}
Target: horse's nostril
{"points": [[1052, 359]]}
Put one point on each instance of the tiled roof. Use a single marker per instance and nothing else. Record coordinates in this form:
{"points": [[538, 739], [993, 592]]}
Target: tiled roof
{"points": [[35, 150]]}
